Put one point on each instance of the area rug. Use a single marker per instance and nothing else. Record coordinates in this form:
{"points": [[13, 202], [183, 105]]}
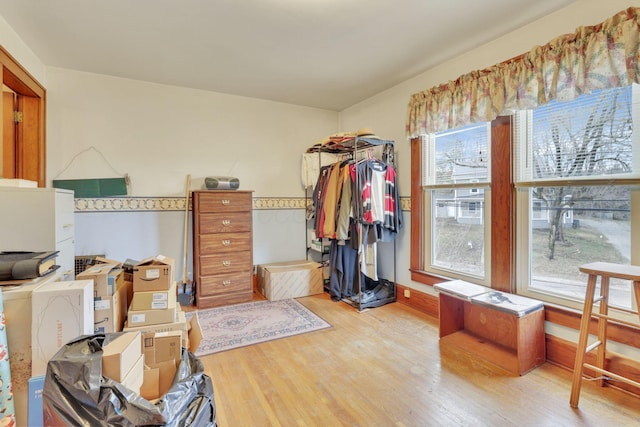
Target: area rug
{"points": [[240, 325]]}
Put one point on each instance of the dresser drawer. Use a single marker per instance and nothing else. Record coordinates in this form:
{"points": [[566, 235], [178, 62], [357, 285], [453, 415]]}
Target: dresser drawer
{"points": [[224, 243], [223, 283], [225, 263], [223, 299], [225, 222], [224, 202]]}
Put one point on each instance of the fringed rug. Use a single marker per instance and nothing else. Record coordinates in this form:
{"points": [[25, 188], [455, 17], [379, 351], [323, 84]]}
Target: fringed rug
{"points": [[240, 325]]}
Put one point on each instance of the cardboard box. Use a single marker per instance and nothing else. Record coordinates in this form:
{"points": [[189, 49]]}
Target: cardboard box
{"points": [[191, 330], [103, 260], [179, 324], [151, 317], [153, 274], [150, 389], [158, 379], [162, 353], [154, 300], [135, 377], [120, 355], [290, 279], [61, 312], [35, 416], [161, 346], [17, 314], [107, 278], [110, 312]]}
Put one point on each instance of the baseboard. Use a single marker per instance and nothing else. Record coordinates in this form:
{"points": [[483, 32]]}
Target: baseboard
{"points": [[417, 300], [562, 353]]}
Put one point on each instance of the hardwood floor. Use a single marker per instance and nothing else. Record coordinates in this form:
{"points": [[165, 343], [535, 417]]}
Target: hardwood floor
{"points": [[384, 367]]}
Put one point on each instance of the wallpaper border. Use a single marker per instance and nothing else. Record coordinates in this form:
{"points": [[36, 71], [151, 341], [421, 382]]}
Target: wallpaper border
{"points": [[161, 204]]}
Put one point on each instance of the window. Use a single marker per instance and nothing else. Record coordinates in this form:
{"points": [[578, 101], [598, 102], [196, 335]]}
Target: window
{"points": [[575, 163], [455, 181]]}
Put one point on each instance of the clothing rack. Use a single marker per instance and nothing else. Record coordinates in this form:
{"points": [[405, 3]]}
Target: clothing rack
{"points": [[353, 149]]}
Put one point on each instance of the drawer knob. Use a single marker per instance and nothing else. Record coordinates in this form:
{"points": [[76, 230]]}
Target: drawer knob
{"points": [[226, 282], [226, 202], [226, 263], [226, 242], [226, 222]]}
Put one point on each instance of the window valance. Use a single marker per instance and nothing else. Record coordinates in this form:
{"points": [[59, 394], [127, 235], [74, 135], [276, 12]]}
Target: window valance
{"points": [[594, 57]]}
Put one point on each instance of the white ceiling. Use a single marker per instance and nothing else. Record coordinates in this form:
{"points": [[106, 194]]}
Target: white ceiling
{"points": [[328, 54]]}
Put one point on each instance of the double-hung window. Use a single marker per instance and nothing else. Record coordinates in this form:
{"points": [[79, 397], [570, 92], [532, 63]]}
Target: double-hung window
{"points": [[455, 180], [577, 171]]}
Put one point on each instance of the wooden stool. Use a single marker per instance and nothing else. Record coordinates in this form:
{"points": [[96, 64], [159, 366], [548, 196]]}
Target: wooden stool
{"points": [[605, 270]]}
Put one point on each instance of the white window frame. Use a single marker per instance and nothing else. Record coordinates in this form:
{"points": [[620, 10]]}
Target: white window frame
{"points": [[523, 228], [430, 207]]}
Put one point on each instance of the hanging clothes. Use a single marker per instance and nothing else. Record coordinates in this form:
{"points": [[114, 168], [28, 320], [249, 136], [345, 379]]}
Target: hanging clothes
{"points": [[357, 205], [311, 164]]}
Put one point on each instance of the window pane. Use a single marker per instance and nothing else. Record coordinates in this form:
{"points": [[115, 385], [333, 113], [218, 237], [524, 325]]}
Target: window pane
{"points": [[458, 231], [589, 137], [461, 155], [572, 226]]}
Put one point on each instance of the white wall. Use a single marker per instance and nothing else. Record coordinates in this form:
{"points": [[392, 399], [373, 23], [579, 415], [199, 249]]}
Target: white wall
{"points": [[14, 45], [158, 134], [103, 127], [385, 113]]}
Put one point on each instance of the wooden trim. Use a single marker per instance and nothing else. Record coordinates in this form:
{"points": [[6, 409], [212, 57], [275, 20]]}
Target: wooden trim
{"points": [[8, 156], [31, 133], [562, 353], [568, 318], [417, 206], [420, 301], [18, 78], [502, 211], [502, 207], [31, 156]]}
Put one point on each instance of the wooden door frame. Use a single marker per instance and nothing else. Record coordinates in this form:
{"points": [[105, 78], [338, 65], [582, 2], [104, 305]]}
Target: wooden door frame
{"points": [[30, 133]]}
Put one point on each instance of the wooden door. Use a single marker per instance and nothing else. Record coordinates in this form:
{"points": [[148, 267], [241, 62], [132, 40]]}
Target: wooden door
{"points": [[8, 152]]}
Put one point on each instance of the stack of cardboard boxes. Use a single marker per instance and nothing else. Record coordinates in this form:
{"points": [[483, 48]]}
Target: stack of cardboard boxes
{"points": [[154, 293], [108, 297], [155, 313], [109, 294]]}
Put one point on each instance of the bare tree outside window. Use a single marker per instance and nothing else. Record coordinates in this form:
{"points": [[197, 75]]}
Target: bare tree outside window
{"points": [[591, 139], [579, 210]]}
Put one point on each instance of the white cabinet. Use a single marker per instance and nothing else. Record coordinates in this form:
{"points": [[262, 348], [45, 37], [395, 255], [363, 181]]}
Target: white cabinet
{"points": [[39, 219]]}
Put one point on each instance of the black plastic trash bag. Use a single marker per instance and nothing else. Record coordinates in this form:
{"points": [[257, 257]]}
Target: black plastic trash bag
{"points": [[76, 393]]}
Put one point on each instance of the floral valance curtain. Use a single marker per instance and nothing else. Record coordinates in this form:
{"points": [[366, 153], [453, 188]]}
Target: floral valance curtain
{"points": [[594, 57]]}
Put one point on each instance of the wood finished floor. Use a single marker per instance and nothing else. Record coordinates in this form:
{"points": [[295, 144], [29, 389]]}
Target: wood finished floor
{"points": [[383, 367]]}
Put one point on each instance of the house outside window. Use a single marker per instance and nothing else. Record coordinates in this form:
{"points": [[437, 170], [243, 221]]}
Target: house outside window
{"points": [[575, 162], [456, 180]]}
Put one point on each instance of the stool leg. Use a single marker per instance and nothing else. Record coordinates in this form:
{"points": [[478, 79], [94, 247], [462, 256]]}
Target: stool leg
{"points": [[602, 326], [582, 341]]}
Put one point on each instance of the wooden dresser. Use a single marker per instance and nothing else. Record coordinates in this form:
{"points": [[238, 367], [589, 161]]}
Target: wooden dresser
{"points": [[222, 247]]}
